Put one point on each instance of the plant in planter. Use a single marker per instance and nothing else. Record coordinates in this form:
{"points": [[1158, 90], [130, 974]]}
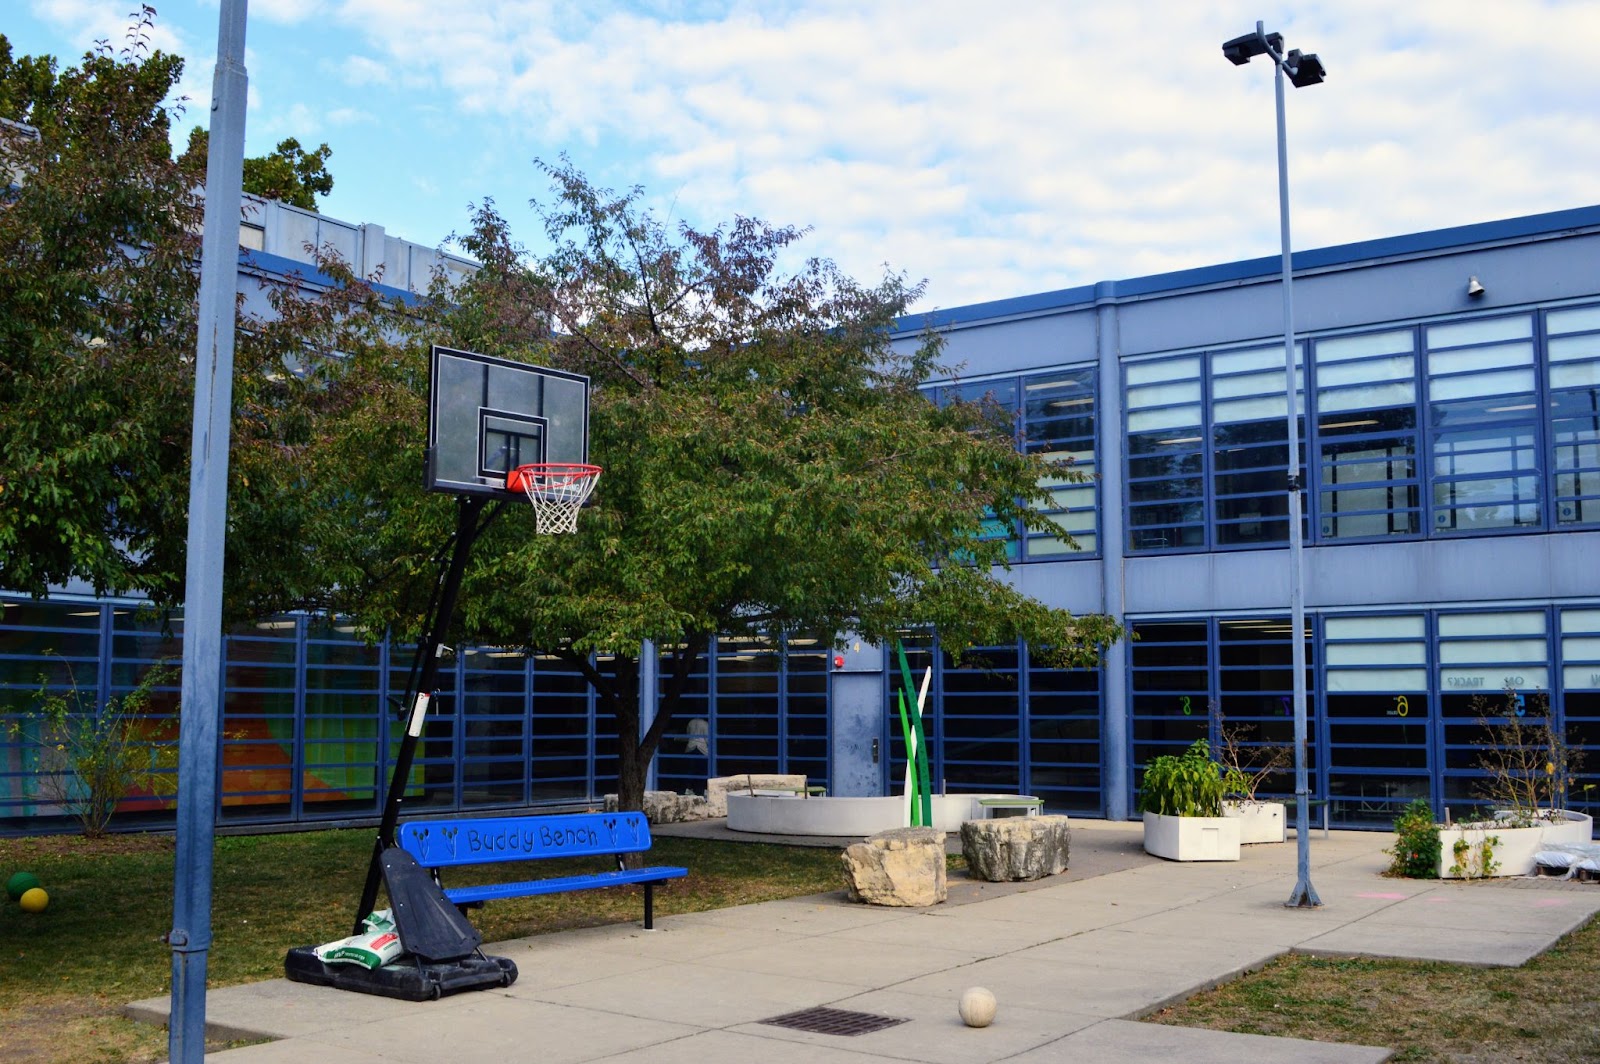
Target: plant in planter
{"points": [[1528, 765], [1181, 799], [1245, 767], [1528, 769]]}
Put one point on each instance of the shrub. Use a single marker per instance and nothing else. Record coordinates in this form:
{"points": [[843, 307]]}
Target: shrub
{"points": [[1417, 847], [93, 754]]}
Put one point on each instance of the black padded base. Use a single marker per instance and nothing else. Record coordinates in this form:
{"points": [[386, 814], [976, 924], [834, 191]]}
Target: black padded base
{"points": [[404, 979]]}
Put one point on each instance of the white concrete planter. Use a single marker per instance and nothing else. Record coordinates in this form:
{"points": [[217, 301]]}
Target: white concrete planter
{"points": [[789, 814], [1514, 851], [1192, 838], [1258, 821]]}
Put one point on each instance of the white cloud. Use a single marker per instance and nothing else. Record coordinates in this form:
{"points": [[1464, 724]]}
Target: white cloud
{"points": [[1035, 145]]}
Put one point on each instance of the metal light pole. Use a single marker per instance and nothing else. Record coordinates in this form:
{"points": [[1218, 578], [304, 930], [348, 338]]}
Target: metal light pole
{"points": [[201, 705], [1302, 70]]}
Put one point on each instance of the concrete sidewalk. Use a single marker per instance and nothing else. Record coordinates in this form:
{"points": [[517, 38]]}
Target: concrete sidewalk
{"points": [[1073, 962]]}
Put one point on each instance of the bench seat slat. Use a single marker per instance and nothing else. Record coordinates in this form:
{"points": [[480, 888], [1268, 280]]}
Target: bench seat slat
{"points": [[559, 884]]}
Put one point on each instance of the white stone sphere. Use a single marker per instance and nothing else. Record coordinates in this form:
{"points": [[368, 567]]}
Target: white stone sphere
{"points": [[977, 1007]]}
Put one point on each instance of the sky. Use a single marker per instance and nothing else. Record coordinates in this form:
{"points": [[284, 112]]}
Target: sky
{"points": [[990, 150]]}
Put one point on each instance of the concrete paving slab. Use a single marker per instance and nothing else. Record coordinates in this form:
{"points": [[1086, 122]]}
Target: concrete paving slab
{"points": [[488, 1028], [705, 996], [291, 1051], [1483, 948], [1063, 912], [673, 939], [973, 932], [1469, 907], [840, 958], [1152, 1043], [1049, 986], [818, 914], [741, 1047], [934, 1031], [1136, 951], [539, 969], [275, 1008]]}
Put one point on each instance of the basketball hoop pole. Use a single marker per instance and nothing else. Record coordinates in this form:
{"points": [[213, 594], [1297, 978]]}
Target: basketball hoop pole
{"points": [[467, 529]]}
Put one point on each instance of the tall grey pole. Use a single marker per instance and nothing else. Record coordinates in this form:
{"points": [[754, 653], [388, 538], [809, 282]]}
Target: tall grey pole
{"points": [[1304, 893], [201, 710]]}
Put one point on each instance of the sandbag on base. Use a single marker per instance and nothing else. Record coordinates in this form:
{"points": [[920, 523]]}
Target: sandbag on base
{"points": [[405, 978]]}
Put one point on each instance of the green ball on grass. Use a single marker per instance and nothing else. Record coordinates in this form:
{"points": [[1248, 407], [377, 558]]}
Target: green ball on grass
{"points": [[20, 884]]}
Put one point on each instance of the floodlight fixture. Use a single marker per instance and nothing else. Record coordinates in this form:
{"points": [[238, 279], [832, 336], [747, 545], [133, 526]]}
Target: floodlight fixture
{"points": [[1303, 70], [1241, 50]]}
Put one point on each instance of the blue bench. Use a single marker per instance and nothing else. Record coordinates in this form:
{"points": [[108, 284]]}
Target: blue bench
{"points": [[440, 844]]}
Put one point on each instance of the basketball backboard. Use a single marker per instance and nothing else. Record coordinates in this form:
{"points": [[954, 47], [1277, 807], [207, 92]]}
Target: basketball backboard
{"points": [[486, 416]]}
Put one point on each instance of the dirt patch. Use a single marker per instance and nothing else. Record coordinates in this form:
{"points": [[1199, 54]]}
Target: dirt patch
{"points": [[70, 1029], [36, 846]]}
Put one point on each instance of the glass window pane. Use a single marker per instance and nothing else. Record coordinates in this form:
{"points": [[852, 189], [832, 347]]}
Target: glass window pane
{"points": [[1475, 385], [1346, 347], [1513, 623], [1480, 331], [1172, 417], [1379, 369], [1170, 369], [1575, 320], [1381, 680]]}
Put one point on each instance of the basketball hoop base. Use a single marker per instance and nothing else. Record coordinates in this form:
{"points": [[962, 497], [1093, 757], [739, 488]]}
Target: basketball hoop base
{"points": [[556, 490]]}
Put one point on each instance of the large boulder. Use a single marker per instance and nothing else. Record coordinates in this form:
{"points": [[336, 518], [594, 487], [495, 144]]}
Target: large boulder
{"points": [[901, 866], [717, 788], [1015, 848]]}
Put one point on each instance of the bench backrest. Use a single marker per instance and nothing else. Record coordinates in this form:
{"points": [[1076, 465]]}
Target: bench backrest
{"points": [[483, 840]]}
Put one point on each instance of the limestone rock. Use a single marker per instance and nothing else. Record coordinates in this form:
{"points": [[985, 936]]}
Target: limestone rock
{"points": [[669, 807], [1015, 848], [717, 788], [902, 866]]}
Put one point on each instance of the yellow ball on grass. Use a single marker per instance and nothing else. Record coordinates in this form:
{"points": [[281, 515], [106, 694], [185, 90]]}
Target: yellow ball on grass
{"points": [[34, 900]]}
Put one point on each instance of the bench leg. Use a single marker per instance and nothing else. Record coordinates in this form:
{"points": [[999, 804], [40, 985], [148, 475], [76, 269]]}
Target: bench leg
{"points": [[649, 906]]}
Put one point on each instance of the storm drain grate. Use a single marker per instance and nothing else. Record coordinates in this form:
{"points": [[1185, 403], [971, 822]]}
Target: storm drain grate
{"points": [[822, 1020]]}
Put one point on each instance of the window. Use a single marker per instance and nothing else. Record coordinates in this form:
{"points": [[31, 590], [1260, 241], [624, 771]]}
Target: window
{"points": [[1166, 454], [1377, 716], [1171, 688], [494, 723], [1580, 674], [979, 735], [1250, 447], [560, 727], [1367, 436], [1482, 657], [1062, 708], [1058, 424], [1483, 413], [1004, 394], [1574, 381]]}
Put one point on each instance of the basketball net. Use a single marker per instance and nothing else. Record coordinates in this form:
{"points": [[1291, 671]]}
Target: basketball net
{"points": [[557, 491]]}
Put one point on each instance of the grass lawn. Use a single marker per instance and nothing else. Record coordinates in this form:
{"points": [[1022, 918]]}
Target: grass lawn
{"points": [[65, 973], [1546, 1010]]}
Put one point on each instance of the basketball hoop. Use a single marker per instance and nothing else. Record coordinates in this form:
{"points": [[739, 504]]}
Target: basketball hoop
{"points": [[557, 491]]}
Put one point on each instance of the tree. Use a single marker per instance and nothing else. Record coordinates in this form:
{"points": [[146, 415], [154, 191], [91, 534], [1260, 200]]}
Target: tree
{"points": [[98, 240], [288, 173], [771, 464]]}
